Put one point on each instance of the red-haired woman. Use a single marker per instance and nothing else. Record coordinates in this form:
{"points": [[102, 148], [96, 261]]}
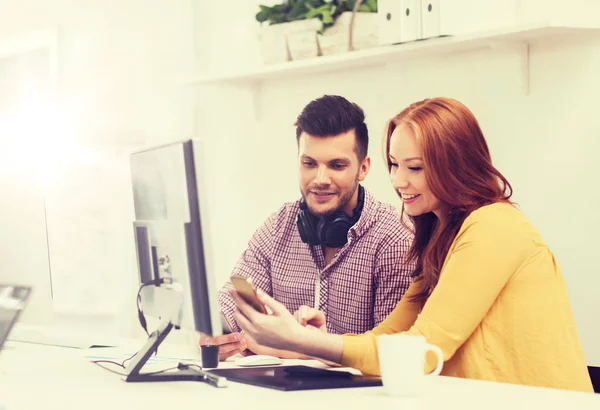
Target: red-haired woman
{"points": [[486, 290]]}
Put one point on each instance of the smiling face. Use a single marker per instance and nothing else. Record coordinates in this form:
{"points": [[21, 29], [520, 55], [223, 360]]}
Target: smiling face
{"points": [[407, 172], [329, 172]]}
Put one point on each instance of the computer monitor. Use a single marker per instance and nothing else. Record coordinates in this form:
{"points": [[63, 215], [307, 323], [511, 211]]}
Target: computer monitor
{"points": [[12, 302], [173, 256]]}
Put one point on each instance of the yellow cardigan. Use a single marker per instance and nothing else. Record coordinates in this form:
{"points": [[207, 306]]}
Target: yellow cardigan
{"points": [[499, 312]]}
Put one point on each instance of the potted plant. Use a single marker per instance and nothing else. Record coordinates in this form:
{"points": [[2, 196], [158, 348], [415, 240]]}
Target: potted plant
{"points": [[354, 29], [291, 30]]}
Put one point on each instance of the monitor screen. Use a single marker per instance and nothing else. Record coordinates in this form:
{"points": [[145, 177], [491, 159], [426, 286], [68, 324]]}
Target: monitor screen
{"points": [[170, 237]]}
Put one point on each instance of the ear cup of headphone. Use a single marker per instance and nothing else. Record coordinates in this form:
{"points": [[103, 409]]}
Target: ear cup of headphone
{"points": [[333, 231], [306, 223]]}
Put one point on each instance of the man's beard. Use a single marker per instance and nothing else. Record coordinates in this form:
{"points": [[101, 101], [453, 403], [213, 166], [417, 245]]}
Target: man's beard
{"points": [[343, 202]]}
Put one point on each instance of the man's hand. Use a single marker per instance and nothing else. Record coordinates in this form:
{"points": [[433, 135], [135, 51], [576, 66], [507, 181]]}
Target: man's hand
{"points": [[310, 317], [229, 345]]}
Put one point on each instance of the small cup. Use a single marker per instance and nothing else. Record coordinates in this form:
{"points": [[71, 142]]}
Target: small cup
{"points": [[402, 363], [210, 356]]}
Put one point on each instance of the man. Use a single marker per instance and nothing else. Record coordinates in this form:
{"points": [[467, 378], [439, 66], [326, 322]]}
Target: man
{"points": [[337, 249]]}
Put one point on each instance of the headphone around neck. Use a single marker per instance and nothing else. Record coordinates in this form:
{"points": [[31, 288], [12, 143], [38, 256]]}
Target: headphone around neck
{"points": [[332, 230]]}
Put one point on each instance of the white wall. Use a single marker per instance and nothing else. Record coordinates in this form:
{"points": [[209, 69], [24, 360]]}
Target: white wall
{"points": [[544, 143]]}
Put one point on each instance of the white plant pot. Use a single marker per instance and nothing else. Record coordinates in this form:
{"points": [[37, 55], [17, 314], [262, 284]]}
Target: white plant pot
{"points": [[335, 40], [302, 39], [273, 44], [295, 40]]}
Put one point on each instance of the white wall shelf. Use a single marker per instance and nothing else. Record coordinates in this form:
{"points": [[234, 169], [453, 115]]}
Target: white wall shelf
{"points": [[517, 38]]}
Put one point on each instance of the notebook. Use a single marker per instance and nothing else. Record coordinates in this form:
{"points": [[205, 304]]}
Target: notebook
{"points": [[290, 378], [12, 302]]}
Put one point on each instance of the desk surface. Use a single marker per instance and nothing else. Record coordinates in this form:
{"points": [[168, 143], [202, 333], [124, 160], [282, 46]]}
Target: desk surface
{"points": [[36, 376]]}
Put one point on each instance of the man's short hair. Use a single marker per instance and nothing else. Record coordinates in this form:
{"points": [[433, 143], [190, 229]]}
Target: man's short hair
{"points": [[332, 115]]}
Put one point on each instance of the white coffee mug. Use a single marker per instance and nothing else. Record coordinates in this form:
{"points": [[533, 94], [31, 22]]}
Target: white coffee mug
{"points": [[402, 363]]}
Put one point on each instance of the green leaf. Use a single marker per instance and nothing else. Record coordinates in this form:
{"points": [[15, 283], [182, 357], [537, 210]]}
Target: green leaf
{"points": [[297, 10], [296, 16], [277, 18], [262, 16], [327, 17], [280, 8], [293, 10], [318, 11], [372, 5], [363, 8], [312, 13]]}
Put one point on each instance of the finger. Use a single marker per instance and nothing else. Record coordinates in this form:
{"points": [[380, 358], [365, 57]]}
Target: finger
{"points": [[221, 340], [230, 338], [276, 307], [243, 338], [251, 343], [207, 340], [304, 315], [244, 308], [309, 315], [244, 323], [298, 316], [230, 347], [231, 350], [315, 317], [225, 356], [204, 339], [248, 327], [248, 338]]}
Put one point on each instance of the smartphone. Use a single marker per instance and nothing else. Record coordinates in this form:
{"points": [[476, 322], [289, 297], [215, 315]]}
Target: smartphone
{"points": [[246, 289]]}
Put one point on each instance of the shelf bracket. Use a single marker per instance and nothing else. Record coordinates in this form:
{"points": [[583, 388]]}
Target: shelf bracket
{"points": [[522, 50]]}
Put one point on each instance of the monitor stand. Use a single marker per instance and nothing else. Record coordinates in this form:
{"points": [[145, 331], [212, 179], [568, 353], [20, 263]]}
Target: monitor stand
{"points": [[184, 372]]}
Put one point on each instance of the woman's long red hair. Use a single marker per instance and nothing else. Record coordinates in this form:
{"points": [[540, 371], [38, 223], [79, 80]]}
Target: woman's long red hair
{"points": [[459, 172]]}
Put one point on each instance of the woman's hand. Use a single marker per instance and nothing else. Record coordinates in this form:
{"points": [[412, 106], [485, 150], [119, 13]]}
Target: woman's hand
{"points": [[255, 348], [279, 330], [310, 317]]}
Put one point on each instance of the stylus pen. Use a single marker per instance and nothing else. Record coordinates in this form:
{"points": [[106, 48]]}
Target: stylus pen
{"points": [[216, 381]]}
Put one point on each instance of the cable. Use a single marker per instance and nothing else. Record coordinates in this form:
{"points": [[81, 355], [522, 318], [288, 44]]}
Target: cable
{"points": [[143, 323], [141, 317], [98, 363], [121, 365], [160, 371], [185, 366], [127, 359]]}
